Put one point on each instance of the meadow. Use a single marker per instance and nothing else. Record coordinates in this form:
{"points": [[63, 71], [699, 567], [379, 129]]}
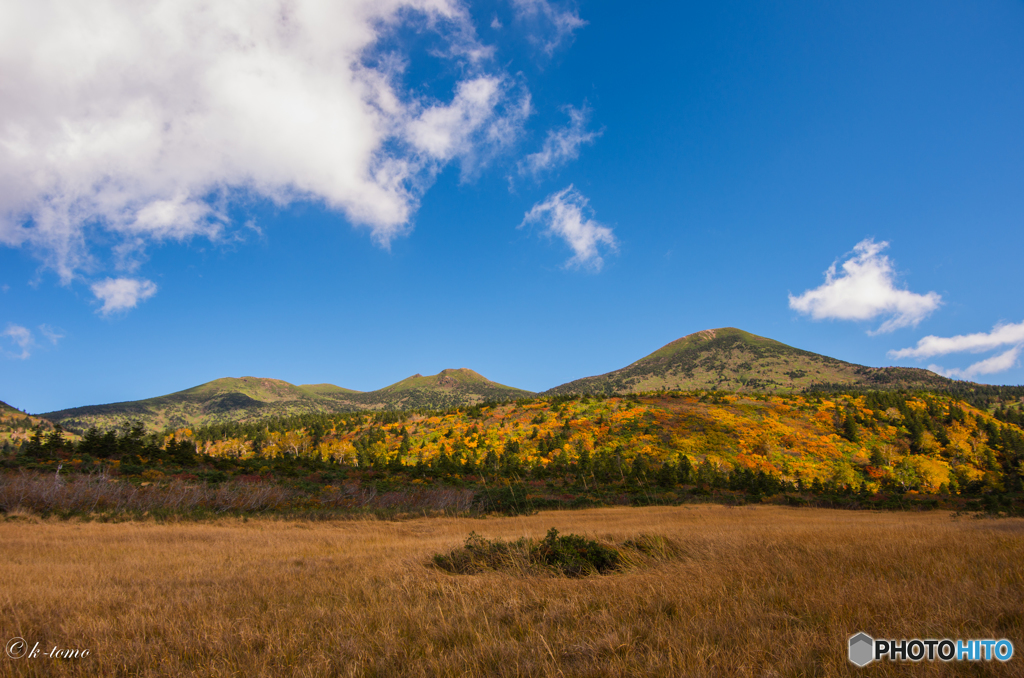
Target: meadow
{"points": [[744, 591]]}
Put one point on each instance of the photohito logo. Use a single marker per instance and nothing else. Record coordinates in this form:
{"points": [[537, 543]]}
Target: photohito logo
{"points": [[864, 649]]}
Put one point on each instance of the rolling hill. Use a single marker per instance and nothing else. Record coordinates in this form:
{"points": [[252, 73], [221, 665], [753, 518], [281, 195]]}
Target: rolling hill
{"points": [[253, 398], [724, 359], [448, 388], [729, 359], [16, 426]]}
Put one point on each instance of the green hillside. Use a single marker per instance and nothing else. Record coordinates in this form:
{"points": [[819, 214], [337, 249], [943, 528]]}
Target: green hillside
{"points": [[221, 400], [448, 388], [725, 359], [729, 359], [16, 427], [249, 399], [326, 389]]}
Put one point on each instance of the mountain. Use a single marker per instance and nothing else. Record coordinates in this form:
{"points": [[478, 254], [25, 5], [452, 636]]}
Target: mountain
{"points": [[448, 388], [16, 426], [729, 359], [724, 359], [253, 398]]}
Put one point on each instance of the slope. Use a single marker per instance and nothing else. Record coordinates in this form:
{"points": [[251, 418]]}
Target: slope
{"points": [[221, 400], [248, 399], [16, 426], [448, 388], [729, 359]]}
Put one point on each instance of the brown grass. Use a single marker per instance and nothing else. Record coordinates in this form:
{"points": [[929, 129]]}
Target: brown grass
{"points": [[764, 591], [99, 496]]}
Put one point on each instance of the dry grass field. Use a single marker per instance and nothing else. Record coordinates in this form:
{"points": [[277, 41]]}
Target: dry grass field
{"points": [[763, 591]]}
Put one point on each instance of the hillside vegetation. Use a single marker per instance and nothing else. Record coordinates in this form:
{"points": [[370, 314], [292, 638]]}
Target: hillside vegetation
{"points": [[733, 360], [875, 448], [17, 428], [879, 440], [248, 399], [721, 359]]}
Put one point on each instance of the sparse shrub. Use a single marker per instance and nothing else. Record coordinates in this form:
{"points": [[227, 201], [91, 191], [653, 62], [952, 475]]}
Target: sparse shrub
{"points": [[480, 554], [570, 555], [576, 556]]}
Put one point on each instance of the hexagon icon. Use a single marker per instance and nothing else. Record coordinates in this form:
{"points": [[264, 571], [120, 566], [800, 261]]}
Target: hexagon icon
{"points": [[861, 646]]}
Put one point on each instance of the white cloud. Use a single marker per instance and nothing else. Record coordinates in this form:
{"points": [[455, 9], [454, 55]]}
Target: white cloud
{"points": [[131, 123], [20, 337], [997, 363], [467, 128], [121, 294], [561, 145], [866, 289], [563, 215], [551, 26], [52, 334], [1001, 335]]}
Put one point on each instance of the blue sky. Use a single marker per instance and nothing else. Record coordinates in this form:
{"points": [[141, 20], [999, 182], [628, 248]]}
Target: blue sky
{"points": [[540, 191]]}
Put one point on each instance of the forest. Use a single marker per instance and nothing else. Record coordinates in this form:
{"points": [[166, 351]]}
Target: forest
{"points": [[854, 448]]}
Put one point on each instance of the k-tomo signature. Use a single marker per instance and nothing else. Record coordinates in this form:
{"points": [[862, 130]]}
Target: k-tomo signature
{"points": [[17, 648]]}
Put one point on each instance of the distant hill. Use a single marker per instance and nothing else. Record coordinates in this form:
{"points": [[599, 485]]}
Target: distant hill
{"points": [[17, 426], [448, 388], [729, 359], [253, 398], [724, 359]]}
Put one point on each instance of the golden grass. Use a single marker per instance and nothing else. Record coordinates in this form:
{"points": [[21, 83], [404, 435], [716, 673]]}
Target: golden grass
{"points": [[765, 591]]}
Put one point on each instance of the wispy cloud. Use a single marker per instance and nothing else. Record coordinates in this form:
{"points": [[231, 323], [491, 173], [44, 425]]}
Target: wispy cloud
{"points": [[52, 334], [126, 123], [121, 294], [997, 363], [930, 346], [563, 216], [562, 144], [864, 290], [552, 24], [21, 337], [467, 127], [1002, 335]]}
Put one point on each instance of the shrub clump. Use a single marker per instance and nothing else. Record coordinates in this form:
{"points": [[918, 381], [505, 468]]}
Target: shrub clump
{"points": [[570, 555]]}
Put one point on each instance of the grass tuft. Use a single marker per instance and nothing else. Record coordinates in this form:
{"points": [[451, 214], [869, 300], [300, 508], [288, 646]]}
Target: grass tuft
{"points": [[569, 555]]}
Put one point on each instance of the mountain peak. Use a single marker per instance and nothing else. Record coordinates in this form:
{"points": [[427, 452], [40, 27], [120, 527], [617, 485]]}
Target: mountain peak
{"points": [[447, 379], [732, 359]]}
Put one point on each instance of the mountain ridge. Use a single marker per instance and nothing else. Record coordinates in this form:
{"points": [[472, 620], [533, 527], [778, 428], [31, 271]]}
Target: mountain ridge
{"points": [[727, 359], [730, 359], [252, 398]]}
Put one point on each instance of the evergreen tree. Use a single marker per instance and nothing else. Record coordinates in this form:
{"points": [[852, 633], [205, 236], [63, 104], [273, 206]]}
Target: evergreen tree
{"points": [[684, 472], [91, 443], [584, 464], [706, 473], [667, 475], [639, 469], [851, 431], [34, 447]]}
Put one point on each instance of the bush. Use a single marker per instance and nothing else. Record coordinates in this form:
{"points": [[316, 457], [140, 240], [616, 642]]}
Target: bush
{"points": [[576, 556], [570, 555]]}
